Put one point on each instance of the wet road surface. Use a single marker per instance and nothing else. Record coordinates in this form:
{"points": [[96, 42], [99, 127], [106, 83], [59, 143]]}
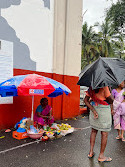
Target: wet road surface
{"points": [[68, 151]]}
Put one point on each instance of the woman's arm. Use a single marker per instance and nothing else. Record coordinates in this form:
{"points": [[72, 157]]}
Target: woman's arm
{"points": [[110, 100], [87, 102], [39, 112], [112, 111], [50, 112], [49, 115], [40, 115]]}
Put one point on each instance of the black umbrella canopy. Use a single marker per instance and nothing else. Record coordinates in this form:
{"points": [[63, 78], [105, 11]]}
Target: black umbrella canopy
{"points": [[103, 72]]}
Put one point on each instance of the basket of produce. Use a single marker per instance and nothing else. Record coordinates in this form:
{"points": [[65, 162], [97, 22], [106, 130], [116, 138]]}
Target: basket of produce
{"points": [[65, 129], [34, 133], [50, 135]]}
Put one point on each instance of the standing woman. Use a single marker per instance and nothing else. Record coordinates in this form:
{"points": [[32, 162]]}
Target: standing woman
{"points": [[119, 110], [100, 103]]}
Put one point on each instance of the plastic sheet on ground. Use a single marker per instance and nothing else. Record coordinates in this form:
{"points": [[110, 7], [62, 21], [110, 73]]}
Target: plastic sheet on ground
{"points": [[65, 132]]}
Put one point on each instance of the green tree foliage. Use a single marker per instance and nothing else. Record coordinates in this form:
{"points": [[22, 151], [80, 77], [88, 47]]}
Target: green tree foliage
{"points": [[116, 15], [89, 46], [106, 43], [107, 39]]}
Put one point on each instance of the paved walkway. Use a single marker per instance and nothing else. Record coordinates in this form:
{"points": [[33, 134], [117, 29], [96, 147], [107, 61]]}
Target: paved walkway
{"points": [[68, 151]]}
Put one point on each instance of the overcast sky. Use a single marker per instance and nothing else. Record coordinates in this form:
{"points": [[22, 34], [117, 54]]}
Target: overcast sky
{"points": [[95, 10]]}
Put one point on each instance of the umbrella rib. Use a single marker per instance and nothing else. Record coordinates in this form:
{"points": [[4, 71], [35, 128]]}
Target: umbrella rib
{"points": [[111, 71]]}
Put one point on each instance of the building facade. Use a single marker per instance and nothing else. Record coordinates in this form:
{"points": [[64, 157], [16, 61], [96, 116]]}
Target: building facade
{"points": [[42, 37]]}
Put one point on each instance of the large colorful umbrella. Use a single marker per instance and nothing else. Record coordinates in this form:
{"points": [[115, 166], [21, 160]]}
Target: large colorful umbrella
{"points": [[30, 85]]}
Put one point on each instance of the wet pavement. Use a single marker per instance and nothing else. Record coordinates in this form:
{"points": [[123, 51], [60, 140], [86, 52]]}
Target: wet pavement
{"points": [[68, 151]]}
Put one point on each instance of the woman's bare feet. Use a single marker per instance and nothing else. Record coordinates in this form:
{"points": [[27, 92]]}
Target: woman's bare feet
{"points": [[118, 137], [123, 139], [105, 159], [91, 155], [102, 158]]}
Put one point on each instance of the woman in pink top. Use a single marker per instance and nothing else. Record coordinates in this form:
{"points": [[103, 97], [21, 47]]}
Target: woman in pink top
{"points": [[119, 110], [43, 115], [99, 101]]}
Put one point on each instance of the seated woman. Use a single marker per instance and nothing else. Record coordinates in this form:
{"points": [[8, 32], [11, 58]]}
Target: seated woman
{"points": [[43, 114]]}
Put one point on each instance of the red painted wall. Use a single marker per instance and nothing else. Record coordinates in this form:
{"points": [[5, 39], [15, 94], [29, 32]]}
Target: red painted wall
{"points": [[63, 106]]}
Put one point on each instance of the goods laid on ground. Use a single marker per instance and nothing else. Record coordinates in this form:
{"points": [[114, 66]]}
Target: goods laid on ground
{"points": [[64, 128], [26, 128]]}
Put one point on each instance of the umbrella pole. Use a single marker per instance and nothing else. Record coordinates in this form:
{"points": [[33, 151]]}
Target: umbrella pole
{"points": [[32, 108]]}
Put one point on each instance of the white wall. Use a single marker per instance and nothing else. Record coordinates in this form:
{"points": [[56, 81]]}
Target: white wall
{"points": [[46, 34], [32, 21], [6, 66]]}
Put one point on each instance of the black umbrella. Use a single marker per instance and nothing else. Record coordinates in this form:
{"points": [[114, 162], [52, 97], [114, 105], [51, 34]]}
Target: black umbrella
{"points": [[103, 72]]}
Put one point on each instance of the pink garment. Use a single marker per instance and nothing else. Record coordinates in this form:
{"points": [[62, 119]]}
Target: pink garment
{"points": [[43, 121], [119, 110]]}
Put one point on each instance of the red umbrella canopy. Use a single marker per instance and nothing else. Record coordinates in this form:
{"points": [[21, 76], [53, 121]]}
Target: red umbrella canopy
{"points": [[34, 84], [31, 85]]}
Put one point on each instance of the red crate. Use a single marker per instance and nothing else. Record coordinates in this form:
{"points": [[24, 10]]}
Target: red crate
{"points": [[19, 136]]}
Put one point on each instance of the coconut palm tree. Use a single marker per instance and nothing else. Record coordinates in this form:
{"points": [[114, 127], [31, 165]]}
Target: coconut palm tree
{"points": [[108, 39], [89, 45], [106, 43]]}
